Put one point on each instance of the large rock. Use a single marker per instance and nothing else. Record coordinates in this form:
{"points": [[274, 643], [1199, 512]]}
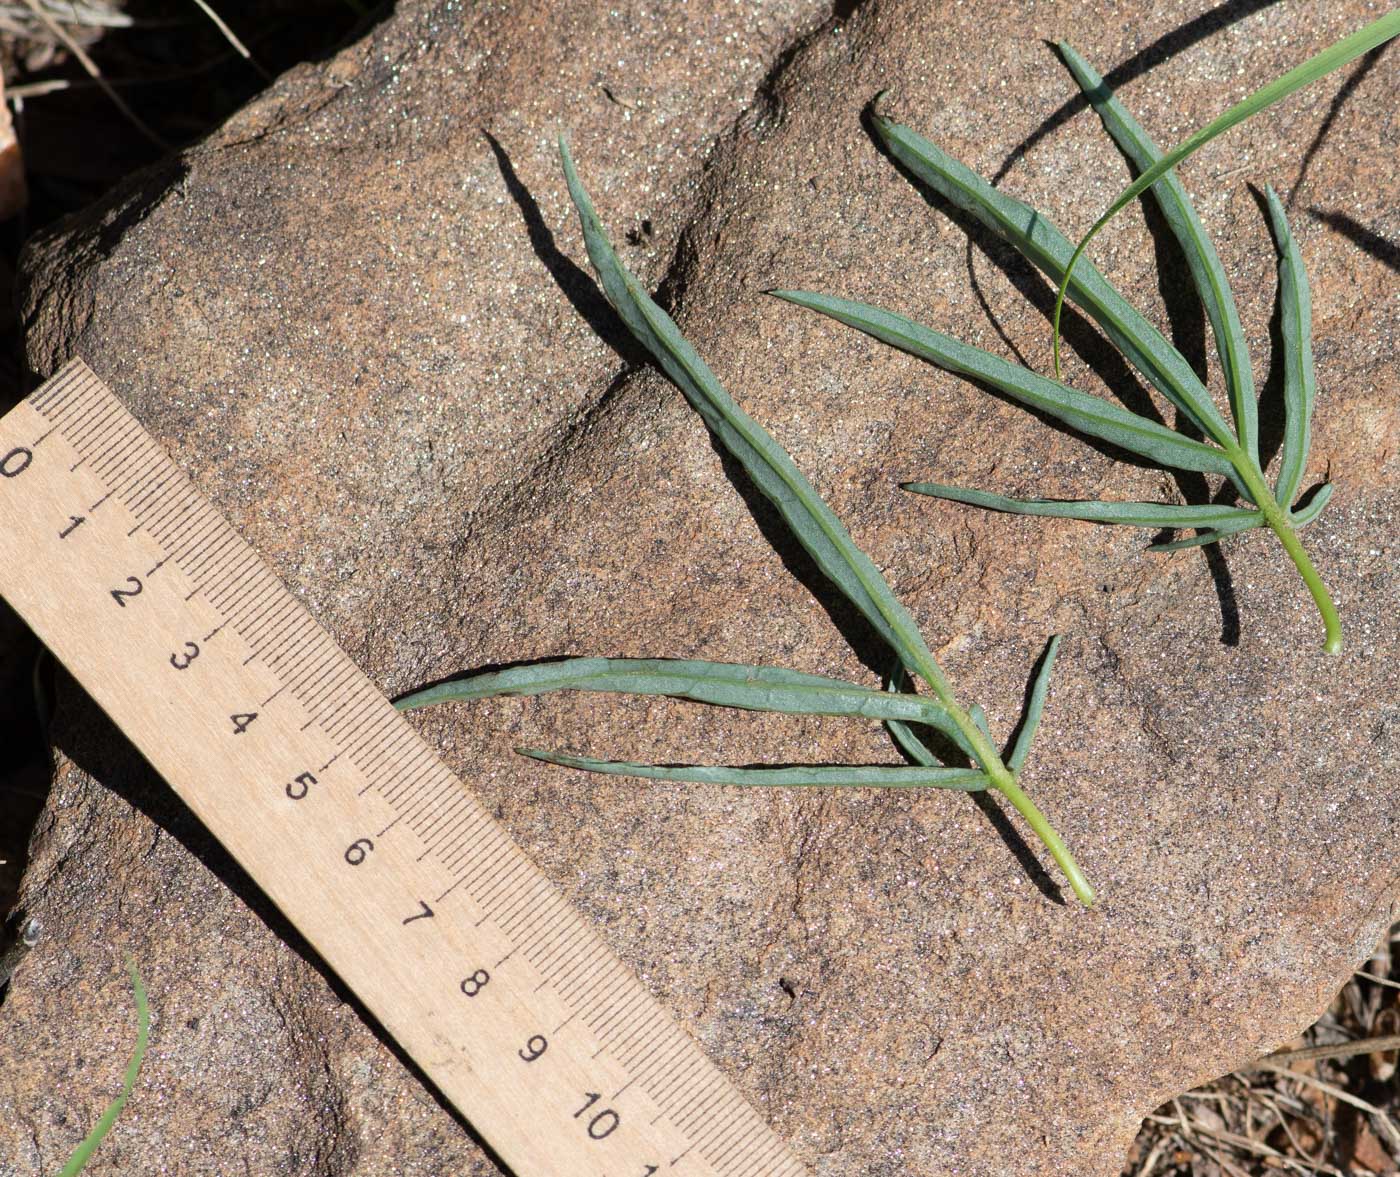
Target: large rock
{"points": [[355, 315]]}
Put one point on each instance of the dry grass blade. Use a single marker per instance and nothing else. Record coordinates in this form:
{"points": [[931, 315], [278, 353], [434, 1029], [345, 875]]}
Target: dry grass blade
{"points": [[96, 74], [232, 38]]}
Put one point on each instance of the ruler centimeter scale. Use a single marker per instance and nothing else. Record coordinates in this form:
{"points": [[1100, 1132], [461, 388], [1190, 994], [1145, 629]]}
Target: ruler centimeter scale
{"points": [[369, 844]]}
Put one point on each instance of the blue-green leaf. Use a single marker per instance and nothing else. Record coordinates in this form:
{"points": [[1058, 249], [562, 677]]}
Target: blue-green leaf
{"points": [[723, 684], [1030, 721], [1048, 249], [1299, 381], [813, 523], [1218, 532], [1201, 258], [821, 776], [1092, 511], [1313, 507], [1088, 414]]}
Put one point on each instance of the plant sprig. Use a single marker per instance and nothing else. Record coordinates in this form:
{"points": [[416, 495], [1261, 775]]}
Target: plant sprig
{"points": [[768, 688], [83, 1153], [1231, 452]]}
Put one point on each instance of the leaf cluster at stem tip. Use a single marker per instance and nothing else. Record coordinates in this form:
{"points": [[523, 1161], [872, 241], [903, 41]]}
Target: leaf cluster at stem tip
{"points": [[1228, 450]]}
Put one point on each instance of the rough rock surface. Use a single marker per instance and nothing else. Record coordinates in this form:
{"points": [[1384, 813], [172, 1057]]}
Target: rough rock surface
{"points": [[355, 315]]}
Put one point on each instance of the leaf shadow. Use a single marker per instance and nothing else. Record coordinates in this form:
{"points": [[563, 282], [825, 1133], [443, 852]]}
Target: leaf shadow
{"points": [[1354, 79], [1384, 250], [574, 282], [1083, 337]]}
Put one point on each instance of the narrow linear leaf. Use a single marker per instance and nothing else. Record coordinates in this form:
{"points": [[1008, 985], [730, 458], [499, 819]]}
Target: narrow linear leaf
{"points": [[1313, 507], [1333, 57], [1091, 511], [83, 1153], [1088, 414], [1299, 380], [903, 734], [723, 684], [821, 776], [1030, 721], [1206, 271], [1206, 537], [1050, 250], [814, 524]]}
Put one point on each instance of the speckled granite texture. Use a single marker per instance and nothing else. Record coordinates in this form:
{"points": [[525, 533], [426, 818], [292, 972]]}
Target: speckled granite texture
{"points": [[356, 315]]}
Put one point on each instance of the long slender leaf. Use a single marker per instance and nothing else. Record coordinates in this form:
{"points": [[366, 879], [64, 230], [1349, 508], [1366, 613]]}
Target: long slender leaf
{"points": [[1050, 250], [1333, 57], [83, 1153], [724, 684], [1299, 380], [1201, 258], [813, 523], [1092, 511], [1206, 537], [821, 776], [904, 736], [1030, 721], [1313, 508], [1088, 414]]}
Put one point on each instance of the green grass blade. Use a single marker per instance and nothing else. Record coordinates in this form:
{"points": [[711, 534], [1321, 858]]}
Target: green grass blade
{"points": [[1313, 508], [723, 684], [1334, 57], [1050, 250], [83, 1153], [1206, 537], [1206, 271], [813, 523], [1088, 414], [1299, 380], [820, 776], [1091, 511], [1030, 721]]}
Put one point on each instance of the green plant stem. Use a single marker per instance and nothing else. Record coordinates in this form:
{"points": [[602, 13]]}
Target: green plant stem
{"points": [[1277, 519], [1005, 781]]}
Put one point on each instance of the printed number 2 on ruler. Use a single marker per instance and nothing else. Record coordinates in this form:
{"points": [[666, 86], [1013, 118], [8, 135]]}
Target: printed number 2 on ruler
{"points": [[368, 843]]}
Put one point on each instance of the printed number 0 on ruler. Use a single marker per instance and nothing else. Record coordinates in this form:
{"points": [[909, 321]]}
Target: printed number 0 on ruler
{"points": [[367, 842]]}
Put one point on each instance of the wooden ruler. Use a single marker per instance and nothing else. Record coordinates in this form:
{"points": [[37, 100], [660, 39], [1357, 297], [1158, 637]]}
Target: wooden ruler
{"points": [[368, 843]]}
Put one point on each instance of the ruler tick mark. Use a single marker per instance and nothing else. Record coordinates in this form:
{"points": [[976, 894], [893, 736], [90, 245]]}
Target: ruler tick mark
{"points": [[212, 632], [329, 762], [274, 695], [100, 501], [449, 891], [41, 436]]}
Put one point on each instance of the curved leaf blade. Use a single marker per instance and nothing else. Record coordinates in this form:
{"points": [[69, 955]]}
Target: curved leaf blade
{"points": [[1206, 537], [1088, 414], [904, 736], [1049, 250], [819, 776], [83, 1153], [1092, 511], [1299, 379], [721, 684], [1333, 57], [1313, 508], [1201, 259], [1030, 721], [813, 523]]}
